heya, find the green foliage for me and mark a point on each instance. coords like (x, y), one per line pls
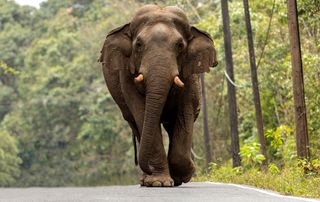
(7, 97)
(6, 69)
(281, 145)
(290, 180)
(68, 128)
(285, 173)
(274, 73)
(250, 155)
(9, 160)
(277, 137)
(311, 168)
(273, 169)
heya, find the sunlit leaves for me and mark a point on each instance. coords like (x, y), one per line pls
(250, 155)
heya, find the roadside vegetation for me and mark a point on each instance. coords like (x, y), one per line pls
(287, 174)
(296, 180)
(300, 178)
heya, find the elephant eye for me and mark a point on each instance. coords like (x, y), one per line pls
(180, 45)
(139, 45)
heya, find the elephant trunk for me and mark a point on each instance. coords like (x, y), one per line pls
(157, 89)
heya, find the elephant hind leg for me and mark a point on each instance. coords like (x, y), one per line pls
(127, 115)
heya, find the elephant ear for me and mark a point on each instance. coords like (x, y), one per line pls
(200, 55)
(116, 50)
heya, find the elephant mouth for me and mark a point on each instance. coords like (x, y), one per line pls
(176, 80)
(141, 88)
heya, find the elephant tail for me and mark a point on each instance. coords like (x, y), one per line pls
(134, 141)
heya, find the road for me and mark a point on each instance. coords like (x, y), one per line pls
(193, 192)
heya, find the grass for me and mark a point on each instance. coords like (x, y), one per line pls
(296, 181)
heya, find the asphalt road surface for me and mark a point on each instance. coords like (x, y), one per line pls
(196, 191)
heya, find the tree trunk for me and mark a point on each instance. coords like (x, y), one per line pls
(302, 140)
(255, 85)
(231, 89)
(205, 123)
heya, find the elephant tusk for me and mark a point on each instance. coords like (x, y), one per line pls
(178, 82)
(138, 79)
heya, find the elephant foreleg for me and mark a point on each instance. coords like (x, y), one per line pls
(160, 170)
(181, 165)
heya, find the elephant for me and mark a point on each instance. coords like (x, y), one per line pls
(152, 67)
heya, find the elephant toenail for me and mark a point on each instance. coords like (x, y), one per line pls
(156, 184)
(168, 184)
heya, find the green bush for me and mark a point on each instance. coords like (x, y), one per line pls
(273, 169)
(281, 143)
(310, 167)
(250, 155)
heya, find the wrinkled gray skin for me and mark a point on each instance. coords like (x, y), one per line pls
(160, 44)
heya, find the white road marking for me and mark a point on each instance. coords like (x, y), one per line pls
(266, 192)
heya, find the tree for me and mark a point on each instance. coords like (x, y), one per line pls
(302, 139)
(255, 84)
(205, 122)
(233, 116)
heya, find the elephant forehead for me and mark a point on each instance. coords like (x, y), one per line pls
(152, 8)
(159, 32)
(154, 17)
(155, 11)
(154, 14)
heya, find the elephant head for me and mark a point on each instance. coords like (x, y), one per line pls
(160, 49)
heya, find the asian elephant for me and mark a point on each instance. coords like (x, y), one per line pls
(151, 66)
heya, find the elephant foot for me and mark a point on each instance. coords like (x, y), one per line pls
(182, 172)
(142, 178)
(179, 179)
(156, 180)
